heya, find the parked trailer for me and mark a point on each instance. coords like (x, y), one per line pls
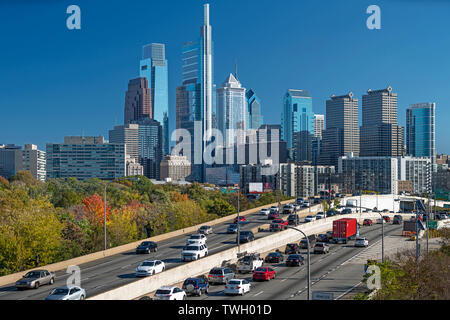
(345, 229)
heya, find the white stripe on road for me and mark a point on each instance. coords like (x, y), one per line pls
(258, 293)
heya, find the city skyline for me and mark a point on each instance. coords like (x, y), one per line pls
(271, 100)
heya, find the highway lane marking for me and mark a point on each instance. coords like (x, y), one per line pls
(258, 293)
(283, 280)
(348, 290)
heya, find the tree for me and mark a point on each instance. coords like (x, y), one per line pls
(94, 208)
(122, 226)
(25, 177)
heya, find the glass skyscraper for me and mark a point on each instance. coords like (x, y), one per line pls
(153, 67)
(420, 130)
(254, 116)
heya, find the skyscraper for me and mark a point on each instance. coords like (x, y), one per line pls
(138, 104)
(153, 67)
(420, 131)
(380, 133)
(231, 110)
(150, 146)
(254, 116)
(297, 115)
(342, 133)
(126, 134)
(195, 99)
(319, 125)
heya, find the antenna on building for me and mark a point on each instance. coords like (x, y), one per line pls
(235, 69)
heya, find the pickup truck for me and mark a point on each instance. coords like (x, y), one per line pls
(249, 263)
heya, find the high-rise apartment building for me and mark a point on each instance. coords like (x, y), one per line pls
(154, 67)
(127, 134)
(231, 111)
(150, 147)
(420, 131)
(319, 125)
(14, 159)
(342, 133)
(138, 103)
(254, 116)
(86, 158)
(380, 133)
(418, 170)
(34, 160)
(297, 115)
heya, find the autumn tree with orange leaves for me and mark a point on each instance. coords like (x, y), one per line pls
(94, 208)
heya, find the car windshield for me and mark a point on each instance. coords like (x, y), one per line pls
(295, 256)
(319, 244)
(216, 271)
(148, 264)
(360, 239)
(273, 254)
(161, 291)
(32, 274)
(309, 216)
(191, 248)
(204, 227)
(60, 291)
(234, 282)
(261, 269)
(291, 245)
(245, 233)
(196, 237)
(146, 243)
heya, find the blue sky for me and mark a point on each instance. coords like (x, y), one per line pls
(56, 82)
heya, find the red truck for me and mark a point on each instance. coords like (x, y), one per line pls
(344, 229)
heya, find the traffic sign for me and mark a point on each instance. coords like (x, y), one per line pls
(320, 295)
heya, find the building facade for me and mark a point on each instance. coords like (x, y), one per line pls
(14, 159)
(150, 147)
(319, 125)
(254, 114)
(127, 134)
(175, 168)
(420, 131)
(418, 170)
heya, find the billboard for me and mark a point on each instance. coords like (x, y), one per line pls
(255, 187)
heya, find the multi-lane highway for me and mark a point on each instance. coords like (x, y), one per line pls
(329, 272)
(114, 271)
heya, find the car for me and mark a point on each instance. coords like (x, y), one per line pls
(205, 230)
(361, 242)
(149, 268)
(245, 236)
(292, 248)
(367, 222)
(346, 211)
(387, 218)
(293, 219)
(310, 218)
(197, 239)
(305, 204)
(299, 200)
(397, 219)
(381, 221)
(366, 210)
(196, 286)
(294, 260)
(274, 208)
(385, 211)
(264, 211)
(274, 257)
(297, 207)
(331, 213)
(169, 293)
(34, 279)
(194, 252)
(67, 293)
(278, 225)
(273, 215)
(263, 273)
(237, 286)
(288, 209)
(147, 247)
(322, 237)
(320, 215)
(239, 220)
(220, 275)
(304, 243)
(232, 228)
(321, 247)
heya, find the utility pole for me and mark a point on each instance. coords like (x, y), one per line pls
(104, 217)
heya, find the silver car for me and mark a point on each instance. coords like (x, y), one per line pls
(36, 278)
(67, 293)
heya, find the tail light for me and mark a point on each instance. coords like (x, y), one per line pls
(169, 295)
(239, 287)
(210, 276)
(221, 276)
(196, 287)
(226, 287)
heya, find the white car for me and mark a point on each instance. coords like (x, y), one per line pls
(67, 293)
(197, 239)
(305, 204)
(194, 252)
(237, 286)
(310, 218)
(320, 215)
(361, 242)
(381, 221)
(264, 211)
(169, 293)
(274, 208)
(150, 267)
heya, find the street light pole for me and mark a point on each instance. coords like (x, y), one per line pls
(104, 217)
(238, 224)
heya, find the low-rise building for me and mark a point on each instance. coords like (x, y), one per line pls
(175, 167)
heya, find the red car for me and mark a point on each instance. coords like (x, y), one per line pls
(263, 273)
(367, 222)
(278, 224)
(241, 219)
(387, 219)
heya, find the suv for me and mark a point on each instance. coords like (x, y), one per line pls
(397, 219)
(361, 242)
(197, 239)
(194, 252)
(304, 243)
(331, 213)
(292, 248)
(195, 286)
(274, 257)
(321, 247)
(293, 219)
(245, 236)
(220, 275)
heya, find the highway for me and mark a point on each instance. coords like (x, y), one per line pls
(329, 272)
(114, 271)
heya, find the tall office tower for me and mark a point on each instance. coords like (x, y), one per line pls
(150, 146)
(297, 115)
(138, 104)
(420, 131)
(126, 134)
(303, 143)
(319, 125)
(342, 133)
(231, 111)
(86, 158)
(153, 67)
(380, 133)
(195, 99)
(254, 116)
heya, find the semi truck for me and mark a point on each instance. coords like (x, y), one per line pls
(345, 229)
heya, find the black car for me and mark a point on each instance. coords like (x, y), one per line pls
(294, 260)
(293, 219)
(331, 213)
(292, 248)
(147, 247)
(195, 286)
(232, 228)
(322, 237)
(245, 236)
(346, 211)
(274, 257)
(397, 219)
